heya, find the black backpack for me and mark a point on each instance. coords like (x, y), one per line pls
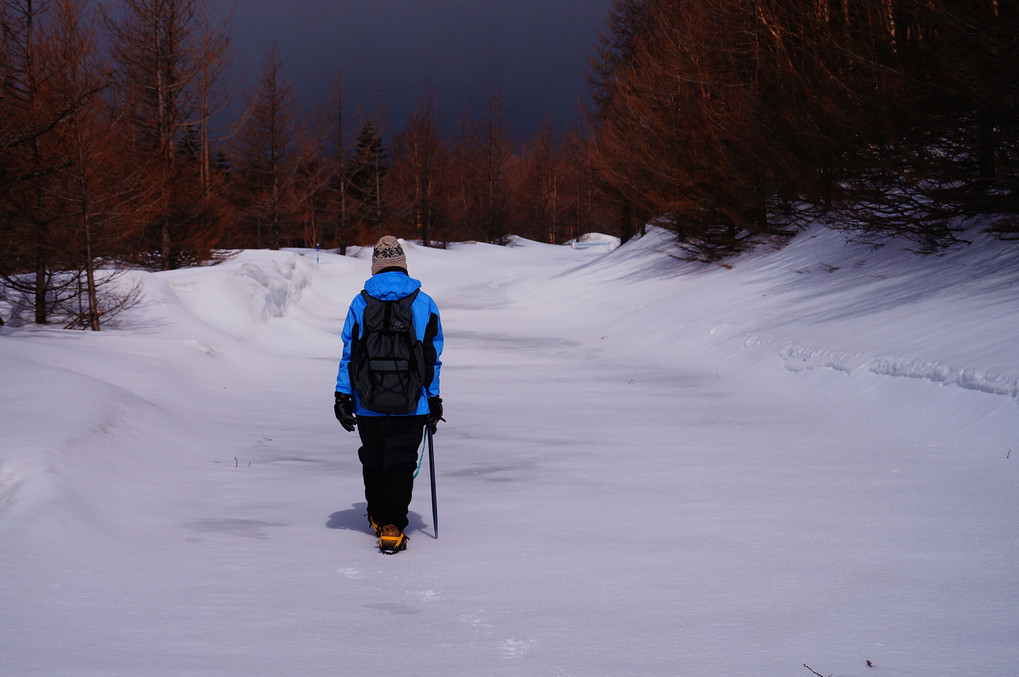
(387, 366)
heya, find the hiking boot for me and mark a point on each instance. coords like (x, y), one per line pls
(391, 539)
(375, 527)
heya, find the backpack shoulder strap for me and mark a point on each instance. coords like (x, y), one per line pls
(409, 298)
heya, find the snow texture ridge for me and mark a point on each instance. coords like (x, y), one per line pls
(992, 384)
(804, 359)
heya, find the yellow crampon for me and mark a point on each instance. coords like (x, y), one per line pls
(375, 527)
(392, 540)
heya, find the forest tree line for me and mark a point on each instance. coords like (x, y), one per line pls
(725, 121)
(110, 158)
(733, 120)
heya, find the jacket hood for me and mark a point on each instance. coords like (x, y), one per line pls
(391, 286)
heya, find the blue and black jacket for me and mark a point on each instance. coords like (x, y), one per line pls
(393, 285)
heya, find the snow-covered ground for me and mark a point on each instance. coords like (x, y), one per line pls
(650, 467)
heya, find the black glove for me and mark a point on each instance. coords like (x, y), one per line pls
(343, 408)
(434, 412)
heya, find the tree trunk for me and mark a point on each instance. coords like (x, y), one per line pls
(40, 285)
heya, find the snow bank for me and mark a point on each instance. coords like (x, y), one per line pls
(254, 286)
(598, 240)
(824, 303)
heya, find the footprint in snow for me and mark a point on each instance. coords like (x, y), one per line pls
(473, 621)
(350, 573)
(512, 648)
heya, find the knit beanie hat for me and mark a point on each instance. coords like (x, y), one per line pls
(388, 254)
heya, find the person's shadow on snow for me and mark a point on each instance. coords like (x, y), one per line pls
(355, 519)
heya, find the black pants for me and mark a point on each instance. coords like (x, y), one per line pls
(388, 453)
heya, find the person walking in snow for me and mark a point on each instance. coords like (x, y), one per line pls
(387, 385)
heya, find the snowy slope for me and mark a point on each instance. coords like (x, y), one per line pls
(650, 467)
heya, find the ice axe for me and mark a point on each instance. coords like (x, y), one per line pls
(431, 473)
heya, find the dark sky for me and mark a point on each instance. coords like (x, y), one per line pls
(534, 51)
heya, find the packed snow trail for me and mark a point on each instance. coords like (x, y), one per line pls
(639, 475)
